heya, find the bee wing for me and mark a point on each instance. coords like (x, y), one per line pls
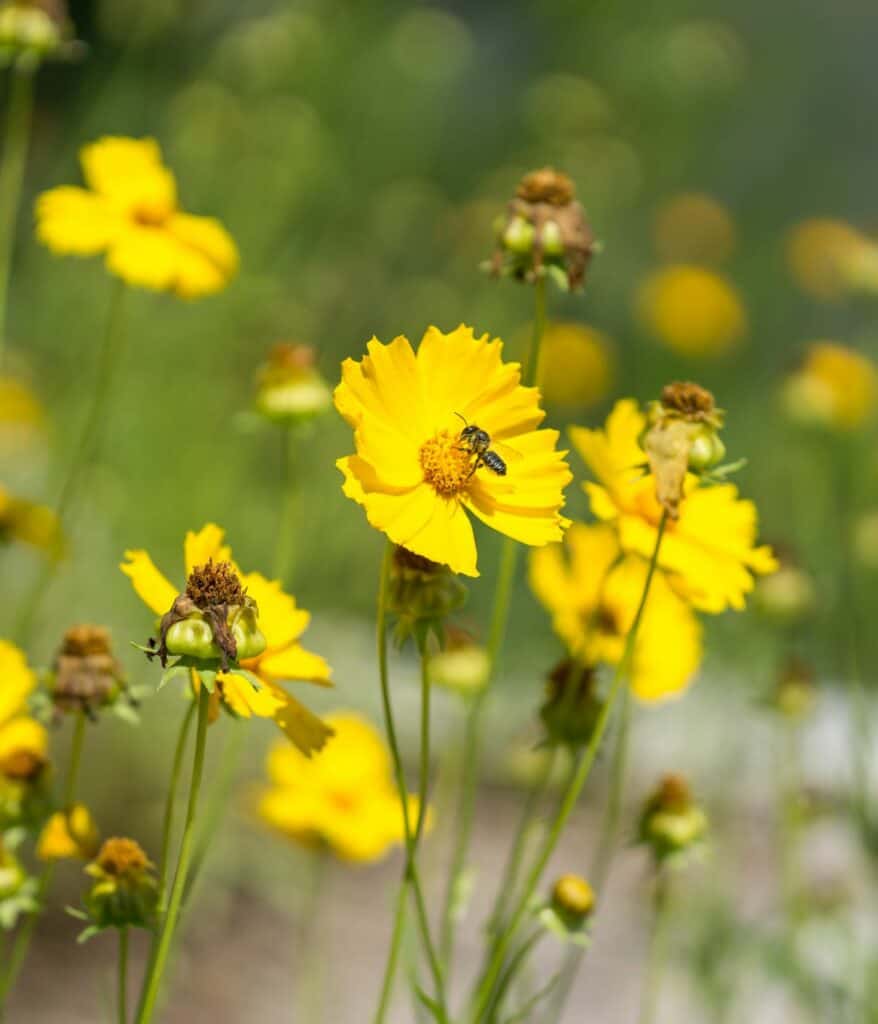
(506, 452)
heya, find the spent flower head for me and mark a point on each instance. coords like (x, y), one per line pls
(421, 595)
(574, 700)
(544, 233)
(123, 893)
(290, 388)
(130, 213)
(672, 825)
(86, 675)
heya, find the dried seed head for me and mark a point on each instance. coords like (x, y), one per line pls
(86, 674)
(673, 793)
(546, 186)
(22, 765)
(690, 400)
(122, 858)
(214, 584)
(83, 640)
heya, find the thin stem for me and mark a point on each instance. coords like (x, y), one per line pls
(572, 792)
(153, 979)
(171, 806)
(515, 962)
(23, 939)
(393, 955)
(83, 456)
(411, 876)
(499, 618)
(19, 117)
(424, 780)
(285, 548)
(123, 976)
(658, 951)
(791, 822)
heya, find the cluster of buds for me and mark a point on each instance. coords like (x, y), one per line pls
(681, 436)
(422, 595)
(672, 824)
(787, 595)
(19, 893)
(124, 893)
(213, 620)
(289, 387)
(796, 693)
(34, 30)
(544, 233)
(570, 908)
(574, 700)
(86, 676)
(462, 666)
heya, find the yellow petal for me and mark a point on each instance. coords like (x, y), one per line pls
(210, 256)
(17, 681)
(131, 174)
(303, 728)
(72, 220)
(23, 734)
(204, 546)
(279, 618)
(294, 663)
(150, 585)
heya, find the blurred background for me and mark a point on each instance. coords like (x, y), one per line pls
(359, 155)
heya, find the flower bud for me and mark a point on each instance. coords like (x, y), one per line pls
(788, 595)
(86, 675)
(12, 874)
(422, 594)
(672, 824)
(31, 30)
(519, 235)
(796, 693)
(706, 451)
(573, 900)
(462, 666)
(289, 387)
(573, 703)
(124, 893)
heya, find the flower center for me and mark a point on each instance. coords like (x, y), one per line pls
(446, 463)
(214, 583)
(150, 215)
(122, 857)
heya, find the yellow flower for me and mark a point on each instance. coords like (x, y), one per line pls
(692, 226)
(692, 310)
(29, 523)
(344, 798)
(823, 255)
(576, 365)
(413, 473)
(130, 213)
(69, 834)
(592, 592)
(709, 552)
(21, 736)
(22, 418)
(835, 387)
(282, 624)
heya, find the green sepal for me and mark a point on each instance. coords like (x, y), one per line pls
(722, 473)
(553, 922)
(208, 679)
(171, 672)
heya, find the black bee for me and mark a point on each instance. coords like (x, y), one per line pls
(478, 442)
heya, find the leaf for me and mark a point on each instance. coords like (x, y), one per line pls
(208, 679)
(88, 933)
(462, 893)
(170, 673)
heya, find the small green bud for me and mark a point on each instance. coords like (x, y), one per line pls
(672, 823)
(519, 235)
(706, 451)
(573, 900)
(193, 636)
(551, 238)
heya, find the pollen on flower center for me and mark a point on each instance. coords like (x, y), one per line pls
(149, 216)
(447, 464)
(122, 857)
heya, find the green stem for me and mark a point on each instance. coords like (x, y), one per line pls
(515, 962)
(658, 951)
(153, 979)
(572, 792)
(19, 117)
(531, 364)
(171, 806)
(424, 780)
(393, 955)
(285, 547)
(23, 939)
(791, 823)
(411, 876)
(123, 975)
(83, 456)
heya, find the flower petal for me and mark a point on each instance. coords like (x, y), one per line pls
(294, 663)
(279, 618)
(72, 220)
(130, 172)
(18, 681)
(209, 256)
(204, 546)
(150, 585)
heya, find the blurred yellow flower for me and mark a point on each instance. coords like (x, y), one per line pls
(21, 415)
(69, 834)
(344, 798)
(25, 521)
(576, 365)
(708, 552)
(592, 592)
(414, 473)
(21, 736)
(282, 624)
(130, 212)
(835, 387)
(692, 310)
(823, 256)
(693, 227)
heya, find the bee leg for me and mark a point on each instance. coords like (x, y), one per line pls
(479, 462)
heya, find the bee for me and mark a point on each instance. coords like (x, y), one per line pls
(478, 442)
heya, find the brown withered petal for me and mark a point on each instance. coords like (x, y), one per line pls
(689, 399)
(546, 185)
(667, 446)
(86, 672)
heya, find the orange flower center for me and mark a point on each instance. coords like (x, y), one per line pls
(447, 463)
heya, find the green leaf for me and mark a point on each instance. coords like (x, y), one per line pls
(88, 933)
(208, 679)
(170, 673)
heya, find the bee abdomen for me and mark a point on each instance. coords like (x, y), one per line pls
(493, 461)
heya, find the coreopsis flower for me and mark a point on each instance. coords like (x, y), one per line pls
(86, 675)
(344, 799)
(672, 824)
(693, 228)
(280, 623)
(692, 310)
(124, 891)
(709, 553)
(33, 30)
(69, 834)
(836, 387)
(290, 388)
(592, 591)
(421, 461)
(823, 255)
(576, 365)
(29, 523)
(130, 213)
(544, 233)
(23, 740)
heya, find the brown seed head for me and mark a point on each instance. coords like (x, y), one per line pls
(86, 672)
(122, 858)
(546, 186)
(690, 400)
(673, 794)
(213, 584)
(83, 640)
